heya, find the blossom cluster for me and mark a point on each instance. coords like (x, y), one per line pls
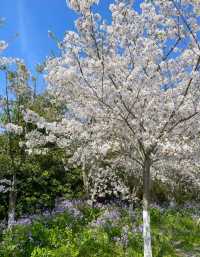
(12, 128)
(3, 45)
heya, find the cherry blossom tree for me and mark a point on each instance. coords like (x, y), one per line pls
(132, 90)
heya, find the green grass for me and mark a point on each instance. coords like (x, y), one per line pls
(174, 234)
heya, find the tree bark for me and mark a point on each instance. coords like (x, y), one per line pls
(85, 183)
(146, 215)
(12, 203)
(131, 212)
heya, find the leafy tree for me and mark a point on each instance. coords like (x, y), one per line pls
(17, 94)
(29, 183)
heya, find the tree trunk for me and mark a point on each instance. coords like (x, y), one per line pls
(131, 212)
(146, 215)
(12, 203)
(12, 193)
(85, 183)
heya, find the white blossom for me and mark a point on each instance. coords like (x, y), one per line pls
(13, 128)
(3, 45)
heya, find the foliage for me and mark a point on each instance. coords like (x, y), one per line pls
(65, 235)
(41, 178)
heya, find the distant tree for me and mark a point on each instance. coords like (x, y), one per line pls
(17, 94)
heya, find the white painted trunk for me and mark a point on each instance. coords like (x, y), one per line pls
(12, 203)
(11, 210)
(11, 218)
(147, 234)
(146, 202)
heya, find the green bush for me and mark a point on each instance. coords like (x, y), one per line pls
(174, 233)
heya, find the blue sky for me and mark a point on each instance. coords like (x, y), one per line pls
(31, 20)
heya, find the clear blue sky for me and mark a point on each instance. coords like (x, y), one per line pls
(32, 19)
